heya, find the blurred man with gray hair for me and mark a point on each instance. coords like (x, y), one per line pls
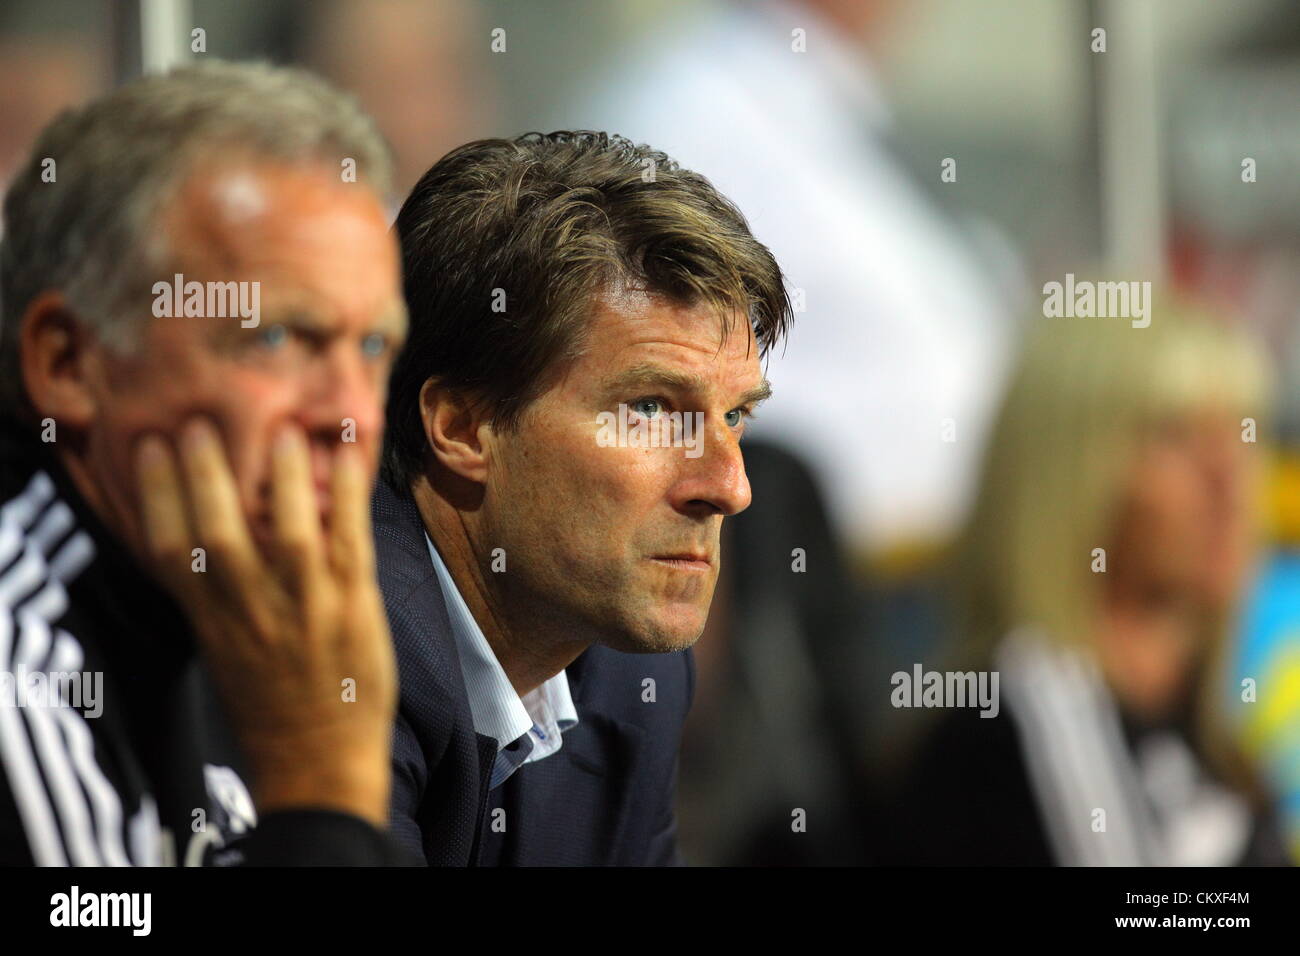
(201, 302)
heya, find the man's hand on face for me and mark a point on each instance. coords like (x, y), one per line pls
(282, 632)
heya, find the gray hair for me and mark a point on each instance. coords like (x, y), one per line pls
(90, 233)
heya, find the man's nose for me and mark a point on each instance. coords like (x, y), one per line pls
(343, 400)
(714, 481)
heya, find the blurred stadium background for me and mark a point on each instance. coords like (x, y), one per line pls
(1065, 163)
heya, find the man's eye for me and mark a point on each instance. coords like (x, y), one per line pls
(273, 336)
(735, 417)
(374, 345)
(647, 407)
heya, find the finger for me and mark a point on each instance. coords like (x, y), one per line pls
(351, 548)
(214, 501)
(296, 515)
(168, 536)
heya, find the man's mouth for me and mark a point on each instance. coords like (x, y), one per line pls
(685, 561)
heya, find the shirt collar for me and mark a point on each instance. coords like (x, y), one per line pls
(540, 717)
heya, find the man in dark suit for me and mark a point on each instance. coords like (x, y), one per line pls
(587, 321)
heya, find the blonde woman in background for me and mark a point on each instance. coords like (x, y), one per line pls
(1109, 542)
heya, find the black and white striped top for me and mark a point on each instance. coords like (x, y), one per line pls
(113, 747)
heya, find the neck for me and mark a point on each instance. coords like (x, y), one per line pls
(1148, 649)
(529, 647)
(117, 516)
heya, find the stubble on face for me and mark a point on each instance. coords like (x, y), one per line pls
(620, 545)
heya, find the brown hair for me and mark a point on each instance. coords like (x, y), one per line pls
(506, 243)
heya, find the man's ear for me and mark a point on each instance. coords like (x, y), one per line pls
(55, 350)
(453, 431)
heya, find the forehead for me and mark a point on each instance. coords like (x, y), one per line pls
(268, 215)
(314, 245)
(630, 327)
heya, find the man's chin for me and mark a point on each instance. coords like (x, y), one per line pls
(664, 637)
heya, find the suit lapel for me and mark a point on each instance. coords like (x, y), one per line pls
(602, 743)
(487, 753)
(432, 682)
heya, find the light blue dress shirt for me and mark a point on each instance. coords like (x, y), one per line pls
(525, 728)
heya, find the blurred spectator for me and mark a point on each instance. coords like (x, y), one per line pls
(51, 58)
(409, 62)
(1098, 577)
(903, 327)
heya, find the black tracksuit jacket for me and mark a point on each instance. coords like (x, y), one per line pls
(113, 748)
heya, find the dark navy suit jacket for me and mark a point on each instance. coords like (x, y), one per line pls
(605, 798)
